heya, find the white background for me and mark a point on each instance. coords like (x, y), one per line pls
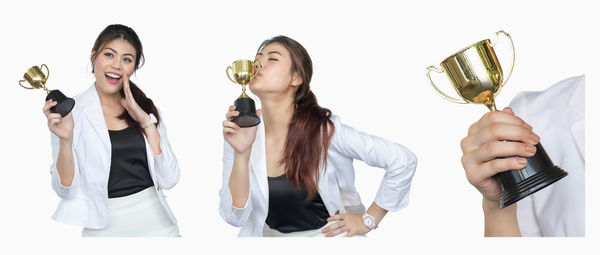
(369, 68)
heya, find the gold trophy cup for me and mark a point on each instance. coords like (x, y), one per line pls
(37, 80)
(476, 75)
(244, 72)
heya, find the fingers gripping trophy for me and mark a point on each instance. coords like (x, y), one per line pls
(476, 75)
(37, 79)
(244, 72)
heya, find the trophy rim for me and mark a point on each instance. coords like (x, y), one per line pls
(484, 41)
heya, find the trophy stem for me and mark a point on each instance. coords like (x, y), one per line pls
(490, 103)
(244, 95)
(492, 107)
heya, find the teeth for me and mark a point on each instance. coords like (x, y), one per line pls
(112, 75)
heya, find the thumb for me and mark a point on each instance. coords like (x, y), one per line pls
(508, 110)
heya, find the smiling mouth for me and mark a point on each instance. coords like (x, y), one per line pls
(112, 78)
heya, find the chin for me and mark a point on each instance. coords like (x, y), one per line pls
(109, 88)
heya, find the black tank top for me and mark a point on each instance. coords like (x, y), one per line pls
(288, 210)
(129, 172)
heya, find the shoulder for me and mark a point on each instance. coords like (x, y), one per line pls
(85, 99)
(342, 133)
(558, 95)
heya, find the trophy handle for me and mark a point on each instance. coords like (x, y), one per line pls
(513, 53)
(227, 71)
(24, 86)
(449, 98)
(47, 70)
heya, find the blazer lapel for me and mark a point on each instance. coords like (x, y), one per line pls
(92, 110)
(577, 104)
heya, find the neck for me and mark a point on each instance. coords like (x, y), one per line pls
(109, 100)
(277, 115)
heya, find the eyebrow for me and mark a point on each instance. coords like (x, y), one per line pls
(270, 52)
(108, 48)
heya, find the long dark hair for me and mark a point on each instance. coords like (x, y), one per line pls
(310, 129)
(118, 31)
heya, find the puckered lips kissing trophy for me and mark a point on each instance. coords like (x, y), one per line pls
(476, 75)
(37, 79)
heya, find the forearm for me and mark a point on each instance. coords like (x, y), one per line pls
(500, 222)
(239, 181)
(377, 212)
(65, 165)
(153, 138)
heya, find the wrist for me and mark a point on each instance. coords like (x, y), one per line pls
(245, 156)
(492, 209)
(65, 141)
(369, 221)
(149, 121)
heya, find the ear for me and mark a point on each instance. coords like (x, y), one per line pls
(296, 80)
(92, 59)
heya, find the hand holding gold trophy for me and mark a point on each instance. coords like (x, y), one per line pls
(244, 72)
(477, 77)
(37, 79)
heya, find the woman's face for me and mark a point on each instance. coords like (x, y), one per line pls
(111, 64)
(275, 76)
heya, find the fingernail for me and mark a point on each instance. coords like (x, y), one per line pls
(522, 161)
(535, 137)
(530, 149)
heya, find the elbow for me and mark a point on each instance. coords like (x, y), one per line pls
(412, 161)
(231, 220)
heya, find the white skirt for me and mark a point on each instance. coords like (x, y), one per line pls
(269, 232)
(136, 215)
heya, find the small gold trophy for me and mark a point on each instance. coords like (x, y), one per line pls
(37, 79)
(243, 73)
(477, 77)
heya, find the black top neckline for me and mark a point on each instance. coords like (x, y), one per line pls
(276, 177)
(120, 130)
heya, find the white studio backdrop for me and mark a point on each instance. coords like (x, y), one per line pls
(369, 62)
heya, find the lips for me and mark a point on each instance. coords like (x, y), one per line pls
(112, 78)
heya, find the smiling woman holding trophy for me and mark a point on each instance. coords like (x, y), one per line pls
(112, 158)
(292, 174)
(524, 192)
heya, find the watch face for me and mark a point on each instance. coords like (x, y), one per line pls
(369, 221)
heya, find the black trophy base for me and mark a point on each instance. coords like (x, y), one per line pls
(539, 173)
(247, 116)
(64, 105)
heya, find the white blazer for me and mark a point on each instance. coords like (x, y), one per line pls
(84, 203)
(557, 115)
(336, 182)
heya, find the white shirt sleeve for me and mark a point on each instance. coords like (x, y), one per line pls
(398, 161)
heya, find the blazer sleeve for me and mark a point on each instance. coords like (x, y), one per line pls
(165, 164)
(62, 191)
(398, 161)
(231, 214)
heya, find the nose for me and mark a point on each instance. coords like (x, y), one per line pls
(116, 64)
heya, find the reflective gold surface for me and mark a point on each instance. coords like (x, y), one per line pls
(244, 72)
(36, 78)
(475, 73)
